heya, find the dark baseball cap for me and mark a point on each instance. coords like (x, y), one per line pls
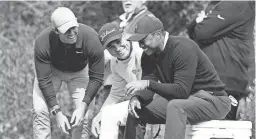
(109, 32)
(145, 25)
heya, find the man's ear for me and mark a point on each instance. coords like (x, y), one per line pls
(158, 34)
(55, 30)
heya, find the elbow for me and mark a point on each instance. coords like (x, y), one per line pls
(184, 95)
(184, 92)
(202, 35)
(98, 79)
(97, 76)
(43, 82)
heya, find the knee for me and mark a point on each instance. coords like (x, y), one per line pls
(174, 105)
(39, 110)
(41, 119)
(109, 112)
(106, 110)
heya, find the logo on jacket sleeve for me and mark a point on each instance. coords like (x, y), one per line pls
(222, 18)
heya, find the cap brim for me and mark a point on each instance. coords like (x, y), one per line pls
(137, 37)
(63, 28)
(118, 36)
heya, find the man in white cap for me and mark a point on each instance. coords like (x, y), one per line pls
(66, 52)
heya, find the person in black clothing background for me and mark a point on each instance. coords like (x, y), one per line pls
(189, 90)
(224, 31)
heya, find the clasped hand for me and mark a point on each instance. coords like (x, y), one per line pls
(135, 86)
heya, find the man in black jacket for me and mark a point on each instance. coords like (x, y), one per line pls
(224, 31)
(189, 90)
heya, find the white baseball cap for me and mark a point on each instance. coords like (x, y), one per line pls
(63, 19)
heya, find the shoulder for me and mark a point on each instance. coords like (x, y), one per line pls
(182, 46)
(90, 38)
(44, 35)
(42, 40)
(87, 30)
(179, 42)
(231, 5)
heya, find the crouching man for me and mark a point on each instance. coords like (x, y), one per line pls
(66, 52)
(125, 68)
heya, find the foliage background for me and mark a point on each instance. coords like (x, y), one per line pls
(22, 21)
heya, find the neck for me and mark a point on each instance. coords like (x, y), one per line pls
(161, 45)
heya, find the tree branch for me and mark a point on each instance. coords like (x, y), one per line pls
(32, 7)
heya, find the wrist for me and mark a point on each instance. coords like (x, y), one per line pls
(135, 97)
(55, 110)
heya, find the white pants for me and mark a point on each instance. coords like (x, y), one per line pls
(113, 116)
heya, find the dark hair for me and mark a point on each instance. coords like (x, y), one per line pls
(162, 31)
(112, 42)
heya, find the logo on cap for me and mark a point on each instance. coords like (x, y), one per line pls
(104, 34)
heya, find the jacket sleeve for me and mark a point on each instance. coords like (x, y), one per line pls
(220, 21)
(148, 73)
(44, 72)
(96, 67)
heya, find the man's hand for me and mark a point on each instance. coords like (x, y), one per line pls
(78, 115)
(135, 86)
(133, 105)
(62, 122)
(96, 125)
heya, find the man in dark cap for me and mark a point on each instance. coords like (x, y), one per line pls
(190, 91)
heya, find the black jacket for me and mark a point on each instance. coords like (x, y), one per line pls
(226, 36)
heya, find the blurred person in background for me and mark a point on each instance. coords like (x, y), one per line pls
(224, 31)
(68, 52)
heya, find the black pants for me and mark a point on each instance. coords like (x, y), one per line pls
(176, 113)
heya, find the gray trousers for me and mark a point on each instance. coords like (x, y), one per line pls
(76, 84)
(176, 113)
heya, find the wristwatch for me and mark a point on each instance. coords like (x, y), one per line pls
(55, 110)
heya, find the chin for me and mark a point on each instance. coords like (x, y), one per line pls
(123, 57)
(128, 10)
(72, 41)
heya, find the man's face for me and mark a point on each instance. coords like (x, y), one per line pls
(129, 6)
(119, 48)
(150, 44)
(70, 36)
